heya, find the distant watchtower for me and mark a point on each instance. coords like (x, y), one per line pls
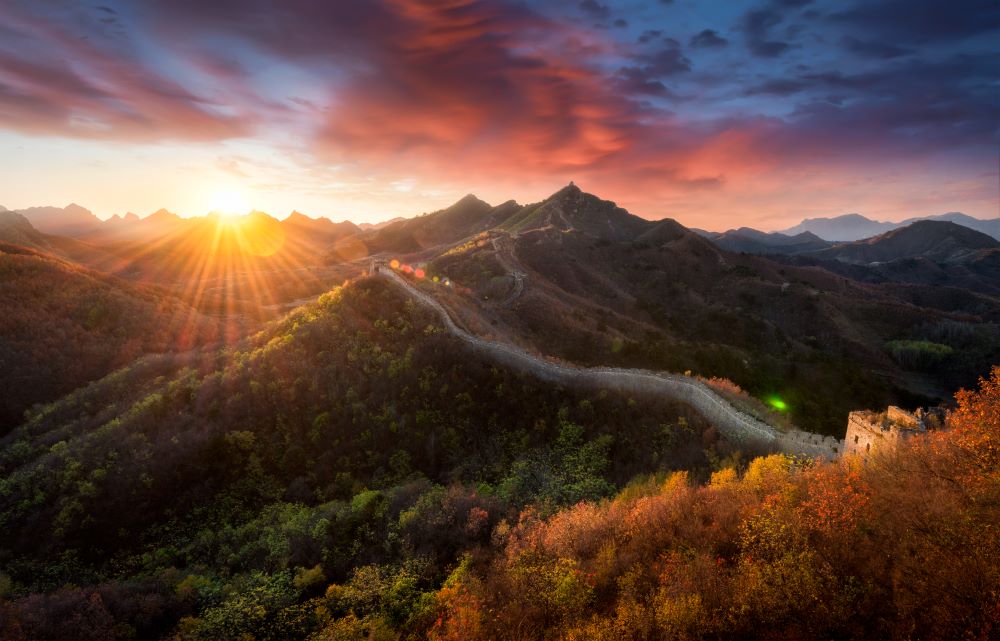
(375, 264)
(868, 432)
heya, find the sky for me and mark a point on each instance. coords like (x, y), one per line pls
(718, 114)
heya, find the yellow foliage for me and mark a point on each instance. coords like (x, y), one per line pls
(725, 477)
(767, 473)
(681, 616)
(675, 483)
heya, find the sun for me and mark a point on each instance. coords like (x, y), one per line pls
(229, 203)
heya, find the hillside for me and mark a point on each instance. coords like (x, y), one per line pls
(64, 325)
(251, 267)
(465, 218)
(181, 484)
(571, 209)
(937, 241)
(752, 241)
(16, 229)
(904, 547)
(929, 253)
(671, 300)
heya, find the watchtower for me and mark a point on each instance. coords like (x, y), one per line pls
(868, 432)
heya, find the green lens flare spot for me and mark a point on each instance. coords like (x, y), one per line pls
(777, 403)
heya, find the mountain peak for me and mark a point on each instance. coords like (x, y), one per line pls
(73, 208)
(469, 199)
(568, 191)
(162, 214)
(572, 209)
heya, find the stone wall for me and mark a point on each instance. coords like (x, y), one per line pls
(733, 423)
(868, 432)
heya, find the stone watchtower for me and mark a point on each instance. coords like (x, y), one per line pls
(868, 432)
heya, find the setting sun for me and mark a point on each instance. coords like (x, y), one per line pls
(229, 203)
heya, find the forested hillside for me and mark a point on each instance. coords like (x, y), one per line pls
(353, 443)
(63, 326)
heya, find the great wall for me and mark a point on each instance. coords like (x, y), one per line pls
(731, 421)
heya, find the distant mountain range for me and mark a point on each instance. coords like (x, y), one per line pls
(926, 252)
(856, 227)
(79, 222)
(752, 241)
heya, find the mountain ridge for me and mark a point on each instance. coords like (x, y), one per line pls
(851, 227)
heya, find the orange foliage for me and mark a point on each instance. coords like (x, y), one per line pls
(907, 546)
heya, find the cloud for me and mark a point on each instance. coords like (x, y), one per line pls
(595, 9)
(56, 81)
(649, 35)
(456, 91)
(917, 22)
(871, 49)
(708, 38)
(757, 26)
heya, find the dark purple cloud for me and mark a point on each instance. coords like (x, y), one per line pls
(708, 38)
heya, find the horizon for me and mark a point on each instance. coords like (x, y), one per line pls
(389, 218)
(724, 115)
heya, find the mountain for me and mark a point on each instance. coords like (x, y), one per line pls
(369, 226)
(570, 209)
(938, 241)
(847, 227)
(116, 220)
(581, 279)
(851, 227)
(467, 217)
(63, 325)
(72, 220)
(15, 229)
(752, 241)
(319, 230)
(989, 227)
(926, 252)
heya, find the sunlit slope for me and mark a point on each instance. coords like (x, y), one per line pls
(361, 389)
(252, 266)
(63, 325)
